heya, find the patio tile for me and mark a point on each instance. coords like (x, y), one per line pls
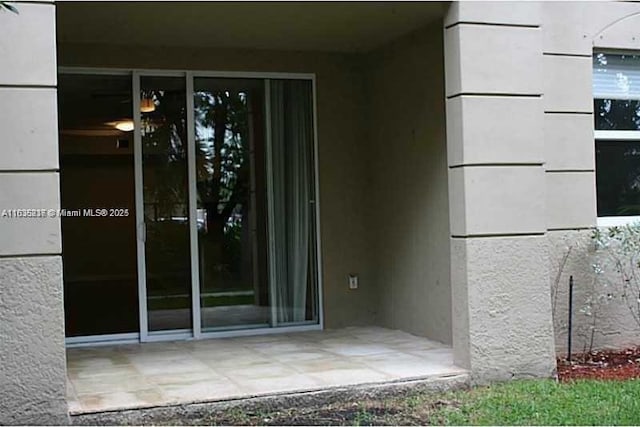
(358, 349)
(408, 370)
(129, 376)
(246, 359)
(76, 373)
(337, 377)
(279, 384)
(276, 348)
(110, 384)
(185, 377)
(178, 366)
(200, 391)
(325, 364)
(305, 355)
(156, 356)
(226, 351)
(265, 370)
(88, 362)
(121, 400)
(418, 346)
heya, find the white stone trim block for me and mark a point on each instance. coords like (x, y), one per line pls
(29, 125)
(497, 200)
(28, 45)
(487, 59)
(495, 129)
(571, 200)
(20, 235)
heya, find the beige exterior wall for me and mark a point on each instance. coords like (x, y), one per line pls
(32, 356)
(609, 323)
(571, 31)
(407, 190)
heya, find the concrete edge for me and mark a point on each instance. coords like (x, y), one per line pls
(154, 415)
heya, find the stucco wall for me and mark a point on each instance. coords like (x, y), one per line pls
(342, 151)
(501, 324)
(599, 321)
(407, 193)
(32, 356)
(571, 31)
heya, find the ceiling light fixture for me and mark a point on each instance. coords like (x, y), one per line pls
(125, 125)
(147, 105)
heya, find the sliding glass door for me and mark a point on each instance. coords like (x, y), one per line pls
(163, 137)
(231, 191)
(222, 197)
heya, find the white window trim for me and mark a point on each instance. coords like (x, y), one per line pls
(617, 135)
(617, 221)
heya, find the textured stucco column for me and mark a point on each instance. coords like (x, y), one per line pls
(502, 325)
(32, 353)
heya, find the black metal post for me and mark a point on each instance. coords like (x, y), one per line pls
(570, 317)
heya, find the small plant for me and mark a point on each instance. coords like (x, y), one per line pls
(6, 6)
(363, 418)
(592, 294)
(618, 264)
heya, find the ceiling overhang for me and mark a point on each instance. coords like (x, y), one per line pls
(330, 27)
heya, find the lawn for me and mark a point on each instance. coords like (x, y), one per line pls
(585, 402)
(525, 402)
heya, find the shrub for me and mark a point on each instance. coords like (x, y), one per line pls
(618, 265)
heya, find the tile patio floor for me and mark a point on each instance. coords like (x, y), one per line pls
(156, 374)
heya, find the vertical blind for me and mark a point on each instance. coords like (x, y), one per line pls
(616, 76)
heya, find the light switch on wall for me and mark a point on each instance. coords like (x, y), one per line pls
(353, 281)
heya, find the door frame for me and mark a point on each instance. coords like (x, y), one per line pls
(143, 335)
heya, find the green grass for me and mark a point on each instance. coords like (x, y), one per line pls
(543, 402)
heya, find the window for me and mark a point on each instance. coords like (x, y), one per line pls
(616, 106)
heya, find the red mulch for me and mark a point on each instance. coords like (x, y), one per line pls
(601, 365)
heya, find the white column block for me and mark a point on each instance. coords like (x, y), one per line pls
(568, 84)
(29, 124)
(571, 200)
(489, 59)
(23, 236)
(497, 200)
(28, 45)
(497, 129)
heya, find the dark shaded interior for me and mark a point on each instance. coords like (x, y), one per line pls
(96, 172)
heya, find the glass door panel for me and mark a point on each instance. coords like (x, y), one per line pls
(231, 203)
(166, 202)
(96, 171)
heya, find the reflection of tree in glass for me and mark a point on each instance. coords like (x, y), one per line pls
(618, 178)
(222, 167)
(629, 194)
(617, 114)
(163, 136)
